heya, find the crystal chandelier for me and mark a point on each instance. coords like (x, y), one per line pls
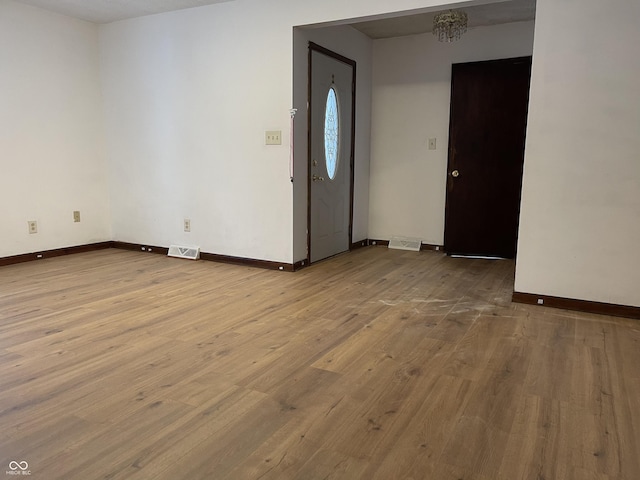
(449, 26)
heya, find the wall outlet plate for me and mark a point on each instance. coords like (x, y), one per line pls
(33, 226)
(76, 216)
(187, 225)
(273, 137)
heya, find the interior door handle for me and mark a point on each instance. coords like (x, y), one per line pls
(455, 174)
(316, 178)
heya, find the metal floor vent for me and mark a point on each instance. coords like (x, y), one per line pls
(405, 243)
(190, 253)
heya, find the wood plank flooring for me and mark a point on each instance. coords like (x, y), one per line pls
(377, 364)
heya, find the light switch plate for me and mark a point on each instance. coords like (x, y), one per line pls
(432, 144)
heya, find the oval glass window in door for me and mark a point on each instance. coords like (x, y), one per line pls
(331, 133)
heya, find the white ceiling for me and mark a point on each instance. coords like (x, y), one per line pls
(480, 15)
(105, 11)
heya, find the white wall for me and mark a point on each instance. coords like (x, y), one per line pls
(580, 216)
(188, 97)
(51, 132)
(187, 104)
(411, 97)
(352, 44)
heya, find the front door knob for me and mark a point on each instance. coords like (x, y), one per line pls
(455, 174)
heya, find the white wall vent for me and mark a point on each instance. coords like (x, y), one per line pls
(405, 243)
(190, 253)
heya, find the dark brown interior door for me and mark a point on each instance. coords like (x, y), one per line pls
(487, 129)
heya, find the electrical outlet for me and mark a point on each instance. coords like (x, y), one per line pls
(187, 225)
(432, 144)
(76, 216)
(33, 226)
(273, 137)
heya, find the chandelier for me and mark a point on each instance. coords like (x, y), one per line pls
(449, 26)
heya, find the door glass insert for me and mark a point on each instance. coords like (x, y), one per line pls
(331, 133)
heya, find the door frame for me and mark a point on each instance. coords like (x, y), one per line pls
(508, 60)
(314, 47)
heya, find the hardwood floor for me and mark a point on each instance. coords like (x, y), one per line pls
(378, 364)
